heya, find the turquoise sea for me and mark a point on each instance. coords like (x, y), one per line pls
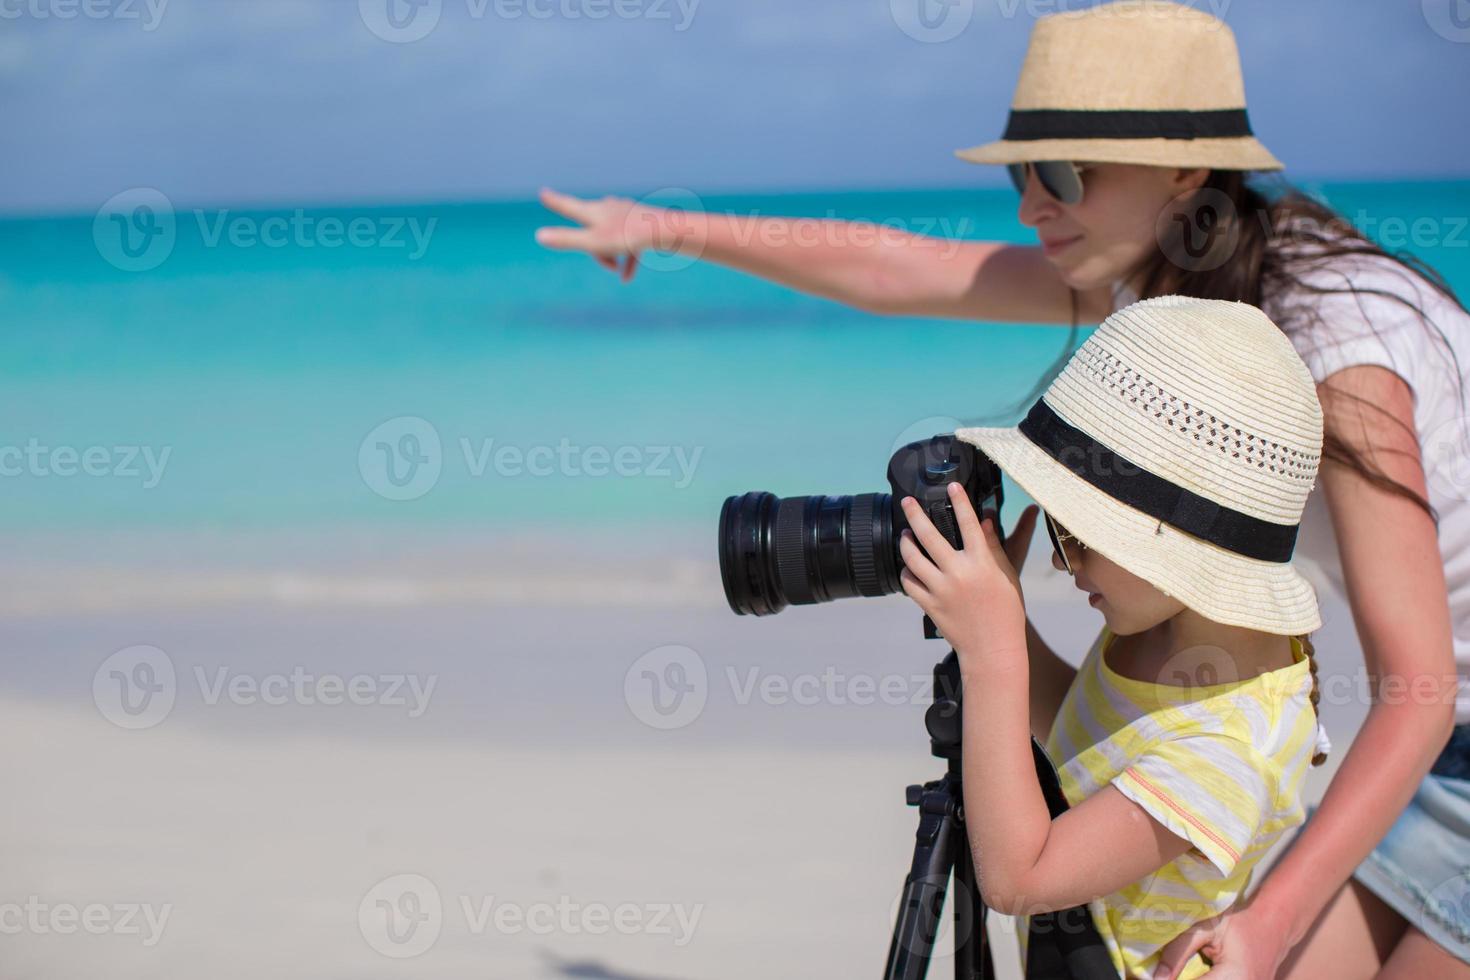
(266, 370)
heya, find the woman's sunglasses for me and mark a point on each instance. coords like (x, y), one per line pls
(1058, 535)
(1062, 179)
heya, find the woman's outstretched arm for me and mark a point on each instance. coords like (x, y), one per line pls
(869, 266)
(1395, 581)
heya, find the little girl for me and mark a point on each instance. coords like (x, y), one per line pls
(1172, 458)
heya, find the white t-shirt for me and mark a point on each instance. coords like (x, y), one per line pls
(1350, 329)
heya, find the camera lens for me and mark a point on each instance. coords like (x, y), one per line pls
(777, 551)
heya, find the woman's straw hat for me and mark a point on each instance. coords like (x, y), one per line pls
(1138, 81)
(1180, 442)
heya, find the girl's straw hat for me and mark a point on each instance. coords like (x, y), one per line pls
(1138, 81)
(1181, 441)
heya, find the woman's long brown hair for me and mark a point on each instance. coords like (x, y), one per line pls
(1266, 238)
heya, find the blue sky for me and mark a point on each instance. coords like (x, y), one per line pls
(300, 101)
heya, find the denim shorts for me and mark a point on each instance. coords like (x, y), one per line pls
(1422, 867)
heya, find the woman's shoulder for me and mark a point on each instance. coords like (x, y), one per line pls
(1342, 309)
(1354, 287)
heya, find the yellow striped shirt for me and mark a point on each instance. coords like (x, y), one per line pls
(1220, 764)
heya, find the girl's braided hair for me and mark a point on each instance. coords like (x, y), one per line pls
(1317, 757)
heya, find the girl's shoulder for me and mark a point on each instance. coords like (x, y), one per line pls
(1201, 694)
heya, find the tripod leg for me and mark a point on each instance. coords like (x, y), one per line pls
(972, 946)
(939, 844)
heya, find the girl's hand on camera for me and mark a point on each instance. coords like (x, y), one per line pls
(972, 595)
(613, 230)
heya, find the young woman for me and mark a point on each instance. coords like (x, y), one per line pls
(1173, 457)
(1130, 143)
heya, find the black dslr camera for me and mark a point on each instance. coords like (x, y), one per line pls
(778, 551)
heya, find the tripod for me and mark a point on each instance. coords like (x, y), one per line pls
(1062, 945)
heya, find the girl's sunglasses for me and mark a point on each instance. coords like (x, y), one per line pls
(1062, 179)
(1058, 534)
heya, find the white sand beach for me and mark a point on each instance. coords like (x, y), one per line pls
(509, 809)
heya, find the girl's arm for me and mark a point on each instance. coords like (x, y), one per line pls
(1025, 862)
(869, 266)
(1395, 582)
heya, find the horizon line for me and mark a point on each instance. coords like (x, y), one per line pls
(728, 191)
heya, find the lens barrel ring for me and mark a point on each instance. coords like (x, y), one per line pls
(790, 539)
(864, 557)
